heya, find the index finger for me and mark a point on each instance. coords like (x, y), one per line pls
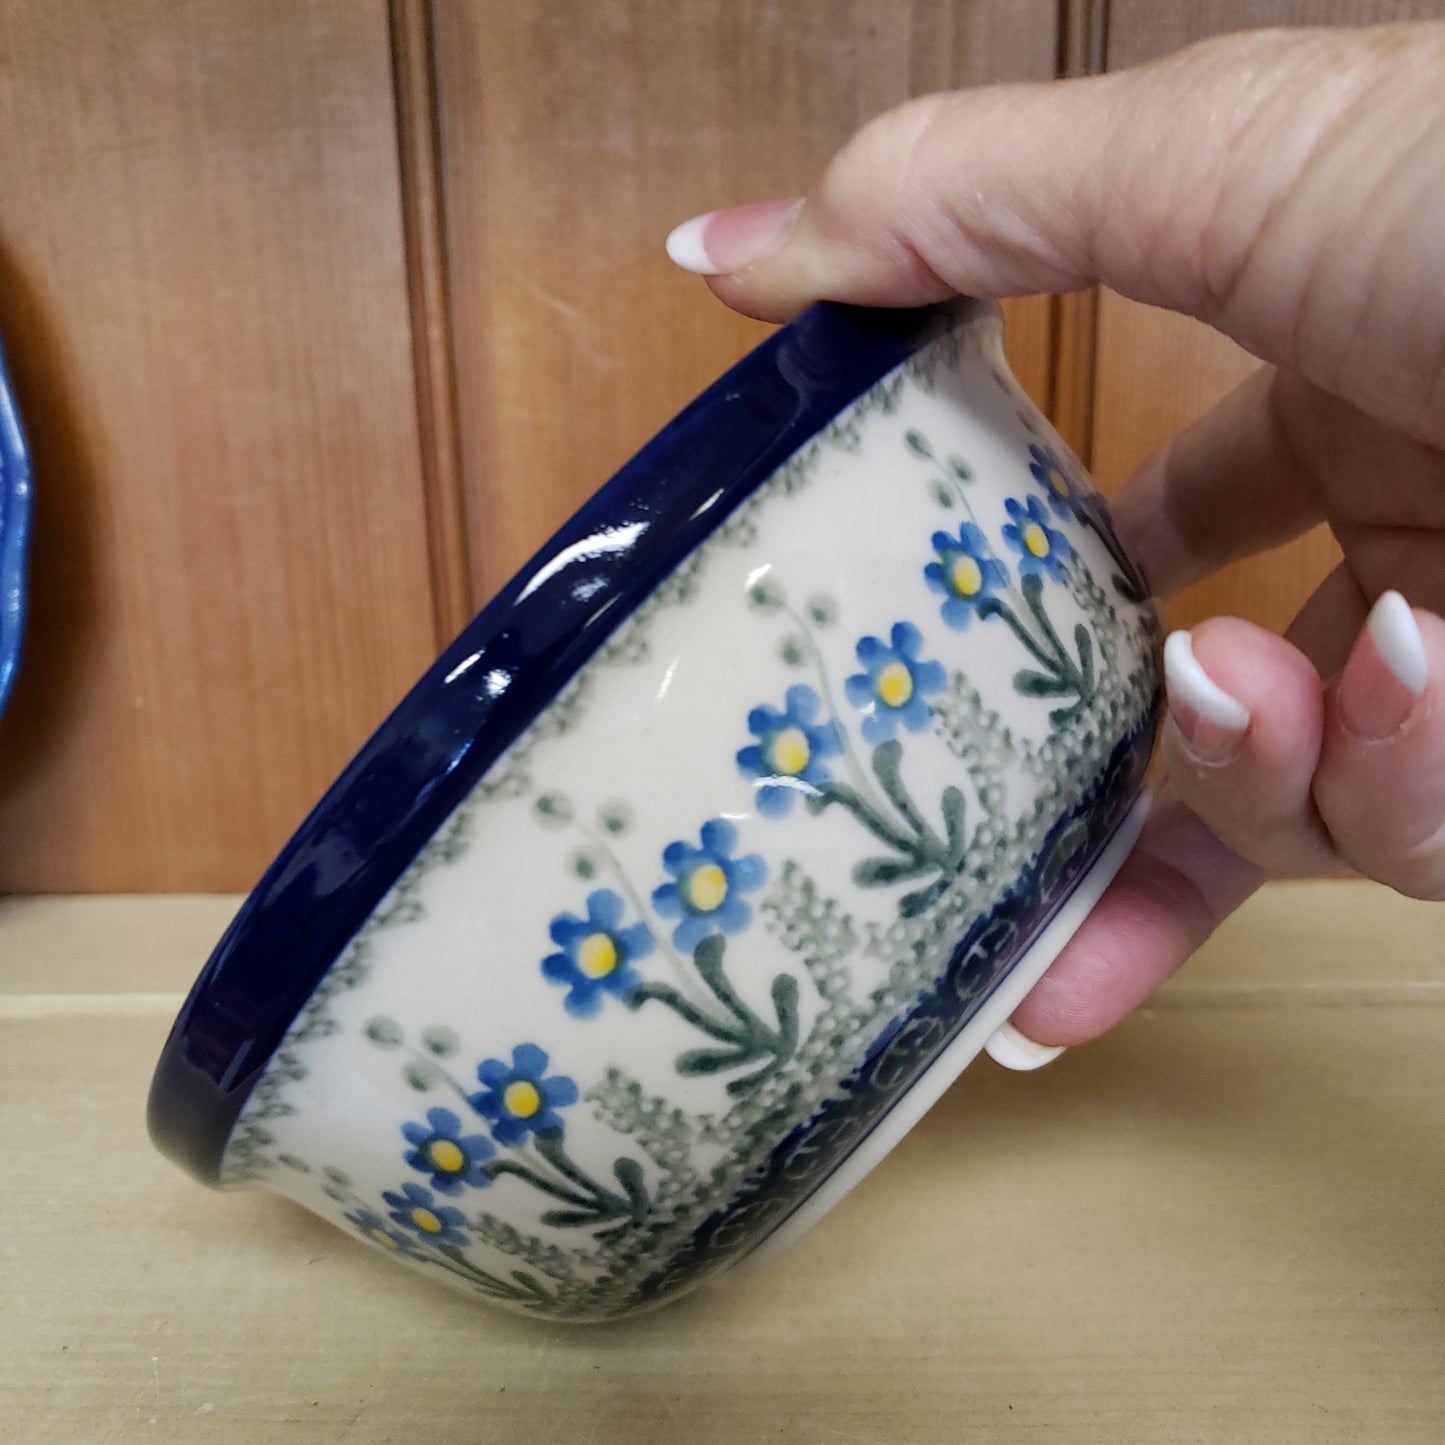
(1235, 182)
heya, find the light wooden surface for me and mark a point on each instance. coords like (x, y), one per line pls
(1220, 1223)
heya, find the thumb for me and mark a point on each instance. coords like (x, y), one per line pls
(1210, 182)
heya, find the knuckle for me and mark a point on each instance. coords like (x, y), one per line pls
(1414, 868)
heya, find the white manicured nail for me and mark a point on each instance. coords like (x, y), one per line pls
(724, 241)
(685, 248)
(1194, 687)
(1019, 1052)
(1396, 635)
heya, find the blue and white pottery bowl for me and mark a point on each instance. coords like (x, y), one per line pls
(712, 850)
(14, 533)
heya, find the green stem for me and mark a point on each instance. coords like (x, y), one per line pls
(994, 608)
(826, 688)
(685, 1009)
(1069, 670)
(524, 1172)
(525, 1291)
(1034, 596)
(869, 817)
(887, 764)
(963, 498)
(552, 1151)
(708, 960)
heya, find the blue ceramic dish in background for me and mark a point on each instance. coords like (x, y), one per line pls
(14, 532)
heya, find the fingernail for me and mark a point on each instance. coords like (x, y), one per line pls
(723, 241)
(1386, 671)
(1018, 1051)
(1212, 723)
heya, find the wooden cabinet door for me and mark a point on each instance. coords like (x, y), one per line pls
(204, 299)
(575, 135)
(323, 315)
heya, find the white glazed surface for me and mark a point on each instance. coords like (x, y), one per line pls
(639, 753)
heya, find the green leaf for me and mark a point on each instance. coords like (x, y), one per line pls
(785, 1005)
(1085, 644)
(707, 958)
(880, 872)
(918, 444)
(629, 1176)
(1035, 684)
(887, 768)
(954, 807)
(960, 469)
(570, 1218)
(1130, 590)
(711, 1061)
(912, 904)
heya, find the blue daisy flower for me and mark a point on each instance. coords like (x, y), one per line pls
(707, 885)
(436, 1223)
(788, 756)
(1040, 548)
(518, 1099)
(597, 954)
(440, 1149)
(965, 572)
(1049, 471)
(895, 683)
(372, 1227)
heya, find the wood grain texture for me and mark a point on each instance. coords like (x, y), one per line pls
(204, 295)
(423, 208)
(575, 135)
(1156, 372)
(1219, 1223)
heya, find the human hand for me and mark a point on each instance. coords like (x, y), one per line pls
(1284, 187)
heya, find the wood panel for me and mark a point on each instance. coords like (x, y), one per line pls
(204, 294)
(575, 135)
(1155, 371)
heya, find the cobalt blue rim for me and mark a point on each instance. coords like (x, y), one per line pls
(14, 532)
(486, 688)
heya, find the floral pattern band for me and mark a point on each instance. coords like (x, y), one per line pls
(718, 1007)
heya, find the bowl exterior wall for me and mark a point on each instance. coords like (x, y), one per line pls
(699, 928)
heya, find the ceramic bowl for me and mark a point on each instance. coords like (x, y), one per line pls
(14, 533)
(711, 851)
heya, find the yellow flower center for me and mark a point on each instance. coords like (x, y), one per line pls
(895, 684)
(384, 1239)
(706, 888)
(426, 1221)
(521, 1099)
(789, 752)
(446, 1157)
(967, 576)
(597, 955)
(1058, 484)
(1036, 540)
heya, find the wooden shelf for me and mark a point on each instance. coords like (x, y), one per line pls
(1222, 1222)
